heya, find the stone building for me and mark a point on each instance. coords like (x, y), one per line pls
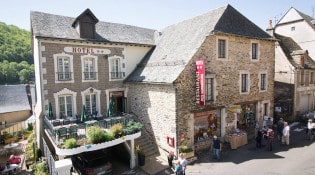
(294, 65)
(207, 76)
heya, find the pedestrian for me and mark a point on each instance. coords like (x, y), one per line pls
(309, 129)
(178, 168)
(279, 129)
(270, 137)
(217, 147)
(183, 162)
(286, 134)
(259, 138)
(256, 128)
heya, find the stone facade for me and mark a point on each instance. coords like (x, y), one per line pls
(168, 110)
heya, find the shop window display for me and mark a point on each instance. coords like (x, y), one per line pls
(246, 117)
(206, 125)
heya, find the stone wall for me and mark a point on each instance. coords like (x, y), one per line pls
(48, 73)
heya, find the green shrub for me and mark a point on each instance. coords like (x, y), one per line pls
(132, 127)
(70, 143)
(109, 136)
(95, 134)
(29, 126)
(185, 149)
(117, 130)
(41, 168)
(38, 154)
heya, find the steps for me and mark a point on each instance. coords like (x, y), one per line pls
(147, 144)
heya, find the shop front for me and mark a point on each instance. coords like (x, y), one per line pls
(206, 125)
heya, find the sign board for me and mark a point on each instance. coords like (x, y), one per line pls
(200, 82)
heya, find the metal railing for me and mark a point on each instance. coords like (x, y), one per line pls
(64, 76)
(117, 75)
(89, 75)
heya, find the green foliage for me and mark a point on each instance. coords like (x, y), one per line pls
(117, 130)
(109, 136)
(38, 154)
(16, 60)
(185, 149)
(132, 127)
(29, 126)
(41, 168)
(95, 134)
(70, 143)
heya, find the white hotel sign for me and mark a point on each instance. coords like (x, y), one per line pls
(86, 50)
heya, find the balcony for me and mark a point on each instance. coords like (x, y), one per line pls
(90, 75)
(117, 75)
(64, 76)
(59, 131)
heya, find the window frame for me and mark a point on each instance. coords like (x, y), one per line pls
(116, 67)
(263, 82)
(254, 56)
(56, 67)
(95, 64)
(247, 82)
(97, 93)
(212, 84)
(218, 47)
(66, 92)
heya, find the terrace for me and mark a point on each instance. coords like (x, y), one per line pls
(61, 130)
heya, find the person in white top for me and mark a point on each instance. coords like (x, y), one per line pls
(183, 162)
(286, 134)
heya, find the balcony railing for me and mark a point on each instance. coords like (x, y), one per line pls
(64, 76)
(117, 75)
(74, 128)
(90, 75)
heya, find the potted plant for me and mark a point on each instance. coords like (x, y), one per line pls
(186, 151)
(141, 156)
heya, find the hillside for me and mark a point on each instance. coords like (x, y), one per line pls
(16, 60)
(15, 44)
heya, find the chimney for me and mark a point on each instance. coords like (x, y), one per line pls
(270, 29)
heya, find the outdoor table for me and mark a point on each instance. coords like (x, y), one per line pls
(90, 122)
(9, 168)
(11, 145)
(236, 139)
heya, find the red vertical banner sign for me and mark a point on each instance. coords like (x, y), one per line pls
(200, 82)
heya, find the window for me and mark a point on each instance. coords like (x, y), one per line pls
(63, 64)
(244, 82)
(263, 82)
(64, 73)
(265, 112)
(221, 48)
(66, 103)
(254, 51)
(89, 70)
(116, 68)
(210, 87)
(312, 78)
(292, 28)
(90, 103)
(65, 106)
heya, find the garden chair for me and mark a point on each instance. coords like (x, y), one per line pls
(73, 131)
(62, 132)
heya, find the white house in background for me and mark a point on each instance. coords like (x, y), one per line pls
(300, 27)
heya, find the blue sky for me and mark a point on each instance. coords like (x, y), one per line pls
(154, 14)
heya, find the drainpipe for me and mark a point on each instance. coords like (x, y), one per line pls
(132, 154)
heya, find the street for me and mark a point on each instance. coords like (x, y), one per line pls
(295, 159)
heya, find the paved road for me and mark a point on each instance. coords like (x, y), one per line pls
(296, 159)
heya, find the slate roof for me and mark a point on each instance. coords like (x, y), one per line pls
(177, 44)
(307, 18)
(289, 46)
(56, 26)
(13, 98)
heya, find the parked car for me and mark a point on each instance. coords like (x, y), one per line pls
(92, 163)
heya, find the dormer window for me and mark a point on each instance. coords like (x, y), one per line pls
(85, 24)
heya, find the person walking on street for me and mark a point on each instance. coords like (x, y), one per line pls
(270, 137)
(178, 168)
(217, 147)
(310, 129)
(183, 162)
(259, 138)
(256, 128)
(279, 129)
(286, 134)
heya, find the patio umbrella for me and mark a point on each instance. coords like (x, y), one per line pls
(110, 110)
(83, 114)
(50, 112)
